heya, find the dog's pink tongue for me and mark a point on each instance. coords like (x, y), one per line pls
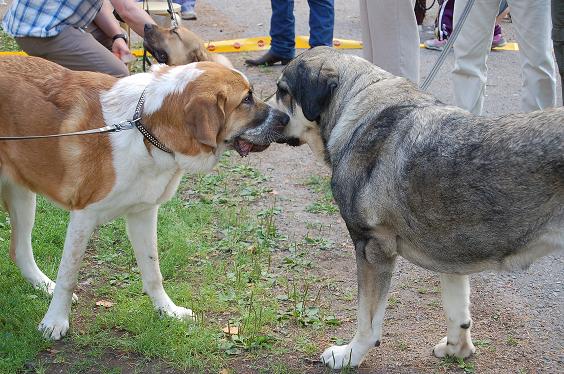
(244, 147)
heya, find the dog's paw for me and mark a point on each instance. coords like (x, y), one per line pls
(178, 312)
(54, 328)
(340, 356)
(462, 349)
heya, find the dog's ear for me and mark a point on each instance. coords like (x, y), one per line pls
(205, 116)
(315, 86)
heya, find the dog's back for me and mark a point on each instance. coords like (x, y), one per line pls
(478, 192)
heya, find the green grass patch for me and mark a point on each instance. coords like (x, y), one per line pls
(7, 43)
(215, 258)
(324, 204)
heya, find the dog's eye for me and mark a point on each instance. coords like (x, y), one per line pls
(281, 91)
(248, 99)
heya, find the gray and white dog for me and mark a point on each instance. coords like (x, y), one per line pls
(450, 191)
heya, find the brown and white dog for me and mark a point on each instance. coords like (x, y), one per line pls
(178, 46)
(197, 111)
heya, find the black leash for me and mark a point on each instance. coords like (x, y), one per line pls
(173, 22)
(124, 125)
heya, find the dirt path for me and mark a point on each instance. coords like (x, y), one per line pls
(517, 317)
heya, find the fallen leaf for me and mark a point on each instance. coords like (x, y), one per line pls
(104, 303)
(224, 371)
(231, 330)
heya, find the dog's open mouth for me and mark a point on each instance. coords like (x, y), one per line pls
(244, 147)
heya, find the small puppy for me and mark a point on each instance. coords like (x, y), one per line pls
(178, 46)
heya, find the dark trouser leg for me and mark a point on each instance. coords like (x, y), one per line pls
(321, 22)
(282, 29)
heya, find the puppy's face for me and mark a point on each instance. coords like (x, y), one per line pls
(215, 110)
(304, 91)
(173, 46)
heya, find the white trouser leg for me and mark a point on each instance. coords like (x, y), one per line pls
(20, 204)
(456, 303)
(390, 36)
(471, 50)
(142, 232)
(533, 29)
(56, 322)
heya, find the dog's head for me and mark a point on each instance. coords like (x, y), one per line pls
(304, 92)
(207, 108)
(174, 46)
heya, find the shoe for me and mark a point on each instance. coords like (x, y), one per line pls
(268, 59)
(188, 15)
(498, 41)
(435, 44)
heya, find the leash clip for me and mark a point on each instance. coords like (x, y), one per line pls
(125, 125)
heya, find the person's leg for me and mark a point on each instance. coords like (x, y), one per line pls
(321, 22)
(446, 13)
(532, 25)
(282, 29)
(394, 36)
(558, 37)
(187, 9)
(76, 50)
(471, 50)
(365, 28)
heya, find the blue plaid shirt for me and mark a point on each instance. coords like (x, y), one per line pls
(45, 18)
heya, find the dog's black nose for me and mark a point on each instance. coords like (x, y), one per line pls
(280, 119)
(148, 27)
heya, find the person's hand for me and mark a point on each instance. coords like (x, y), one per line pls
(120, 50)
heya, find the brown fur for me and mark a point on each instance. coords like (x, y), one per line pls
(212, 114)
(180, 45)
(38, 97)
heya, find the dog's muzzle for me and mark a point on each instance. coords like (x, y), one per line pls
(257, 139)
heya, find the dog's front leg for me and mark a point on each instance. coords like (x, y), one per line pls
(456, 303)
(56, 322)
(142, 232)
(374, 272)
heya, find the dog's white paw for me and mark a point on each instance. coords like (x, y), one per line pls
(463, 349)
(340, 356)
(178, 312)
(54, 328)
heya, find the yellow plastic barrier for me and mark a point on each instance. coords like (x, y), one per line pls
(261, 43)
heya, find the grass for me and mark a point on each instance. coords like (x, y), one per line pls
(215, 257)
(450, 362)
(324, 203)
(7, 43)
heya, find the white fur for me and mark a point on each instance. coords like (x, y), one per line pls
(456, 303)
(144, 180)
(302, 128)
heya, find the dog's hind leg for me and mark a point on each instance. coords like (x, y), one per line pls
(456, 303)
(373, 283)
(142, 232)
(20, 204)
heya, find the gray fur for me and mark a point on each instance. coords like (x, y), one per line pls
(461, 193)
(450, 191)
